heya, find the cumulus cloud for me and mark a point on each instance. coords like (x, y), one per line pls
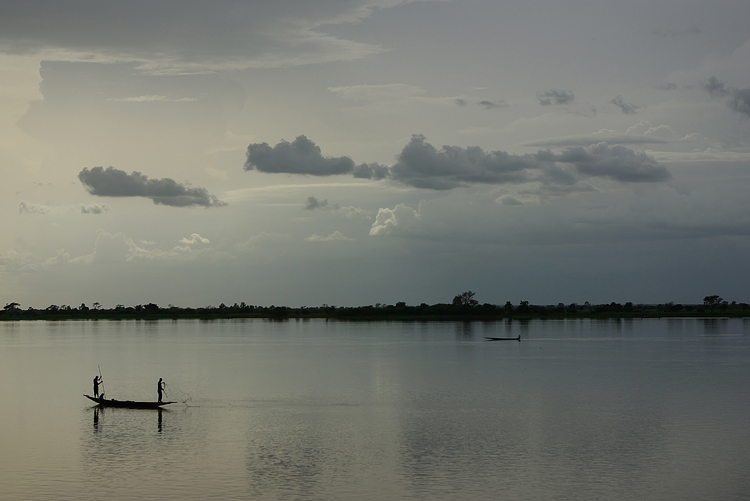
(421, 165)
(615, 162)
(301, 156)
(94, 208)
(739, 98)
(194, 239)
(111, 182)
(627, 108)
(394, 221)
(336, 235)
(555, 96)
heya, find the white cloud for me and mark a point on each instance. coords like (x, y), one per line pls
(395, 221)
(336, 235)
(194, 239)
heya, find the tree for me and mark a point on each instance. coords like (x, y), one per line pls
(11, 306)
(712, 301)
(465, 299)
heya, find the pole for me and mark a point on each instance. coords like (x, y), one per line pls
(101, 379)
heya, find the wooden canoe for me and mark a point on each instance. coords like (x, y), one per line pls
(127, 403)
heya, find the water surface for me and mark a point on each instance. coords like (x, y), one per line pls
(580, 409)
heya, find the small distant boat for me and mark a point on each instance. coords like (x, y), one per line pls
(127, 403)
(503, 338)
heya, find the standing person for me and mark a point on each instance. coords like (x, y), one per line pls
(97, 382)
(160, 388)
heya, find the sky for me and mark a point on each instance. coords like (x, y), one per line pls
(355, 152)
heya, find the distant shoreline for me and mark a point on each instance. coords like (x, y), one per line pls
(397, 312)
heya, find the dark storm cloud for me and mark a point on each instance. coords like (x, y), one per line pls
(739, 98)
(555, 96)
(301, 156)
(421, 165)
(111, 182)
(627, 108)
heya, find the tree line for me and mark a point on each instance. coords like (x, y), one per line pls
(463, 306)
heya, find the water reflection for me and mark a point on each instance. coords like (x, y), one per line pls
(714, 326)
(464, 330)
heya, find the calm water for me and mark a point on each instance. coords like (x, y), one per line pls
(641, 409)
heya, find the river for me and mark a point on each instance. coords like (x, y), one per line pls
(280, 410)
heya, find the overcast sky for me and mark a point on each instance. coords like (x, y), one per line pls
(353, 152)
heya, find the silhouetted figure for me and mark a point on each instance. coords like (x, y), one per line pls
(97, 382)
(160, 388)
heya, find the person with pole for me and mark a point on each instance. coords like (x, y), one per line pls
(160, 388)
(97, 381)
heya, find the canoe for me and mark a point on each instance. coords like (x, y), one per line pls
(127, 403)
(503, 338)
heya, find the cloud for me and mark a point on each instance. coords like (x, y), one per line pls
(488, 105)
(421, 165)
(94, 208)
(627, 108)
(111, 182)
(394, 221)
(336, 235)
(589, 139)
(31, 208)
(348, 211)
(615, 162)
(173, 36)
(194, 239)
(739, 98)
(555, 96)
(461, 102)
(301, 156)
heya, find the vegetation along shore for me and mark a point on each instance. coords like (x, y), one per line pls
(463, 307)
